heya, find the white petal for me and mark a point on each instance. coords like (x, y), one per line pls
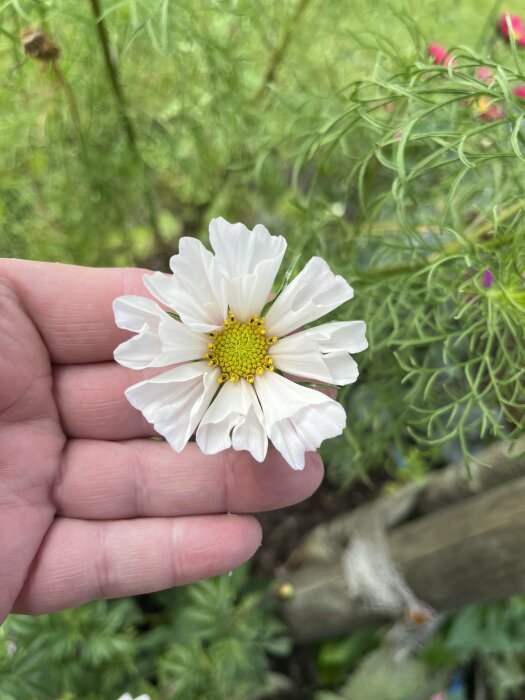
(338, 335)
(134, 313)
(342, 366)
(180, 343)
(251, 260)
(301, 358)
(297, 418)
(196, 290)
(161, 340)
(313, 293)
(175, 401)
(235, 409)
(321, 353)
(251, 435)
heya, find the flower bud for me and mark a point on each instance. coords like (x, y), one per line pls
(439, 55)
(517, 28)
(485, 74)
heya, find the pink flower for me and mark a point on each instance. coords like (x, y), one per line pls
(439, 55)
(517, 27)
(519, 91)
(487, 111)
(485, 74)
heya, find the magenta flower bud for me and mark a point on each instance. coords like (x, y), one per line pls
(519, 91)
(439, 55)
(488, 279)
(517, 27)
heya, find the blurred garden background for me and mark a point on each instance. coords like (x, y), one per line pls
(126, 124)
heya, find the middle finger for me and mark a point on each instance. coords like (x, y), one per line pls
(137, 478)
(91, 401)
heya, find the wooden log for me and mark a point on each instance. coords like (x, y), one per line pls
(441, 488)
(469, 552)
(498, 463)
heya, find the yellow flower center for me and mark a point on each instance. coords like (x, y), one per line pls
(482, 104)
(240, 349)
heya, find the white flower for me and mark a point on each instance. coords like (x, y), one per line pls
(127, 696)
(227, 363)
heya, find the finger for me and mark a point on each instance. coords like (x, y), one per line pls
(84, 560)
(72, 306)
(92, 404)
(140, 478)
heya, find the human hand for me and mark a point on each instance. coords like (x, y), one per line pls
(89, 506)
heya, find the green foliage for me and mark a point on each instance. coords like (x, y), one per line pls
(210, 641)
(88, 651)
(440, 206)
(494, 629)
(339, 657)
(380, 677)
(220, 642)
(490, 634)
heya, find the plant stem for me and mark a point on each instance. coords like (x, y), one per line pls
(113, 75)
(127, 124)
(276, 58)
(71, 99)
(279, 52)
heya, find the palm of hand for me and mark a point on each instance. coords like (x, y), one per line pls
(31, 442)
(89, 506)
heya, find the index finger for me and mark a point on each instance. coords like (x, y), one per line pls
(72, 306)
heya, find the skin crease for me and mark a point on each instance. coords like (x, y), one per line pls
(90, 507)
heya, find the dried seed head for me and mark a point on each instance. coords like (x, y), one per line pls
(37, 44)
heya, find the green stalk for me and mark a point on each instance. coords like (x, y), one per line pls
(127, 124)
(113, 76)
(278, 54)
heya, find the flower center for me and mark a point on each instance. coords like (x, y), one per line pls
(240, 349)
